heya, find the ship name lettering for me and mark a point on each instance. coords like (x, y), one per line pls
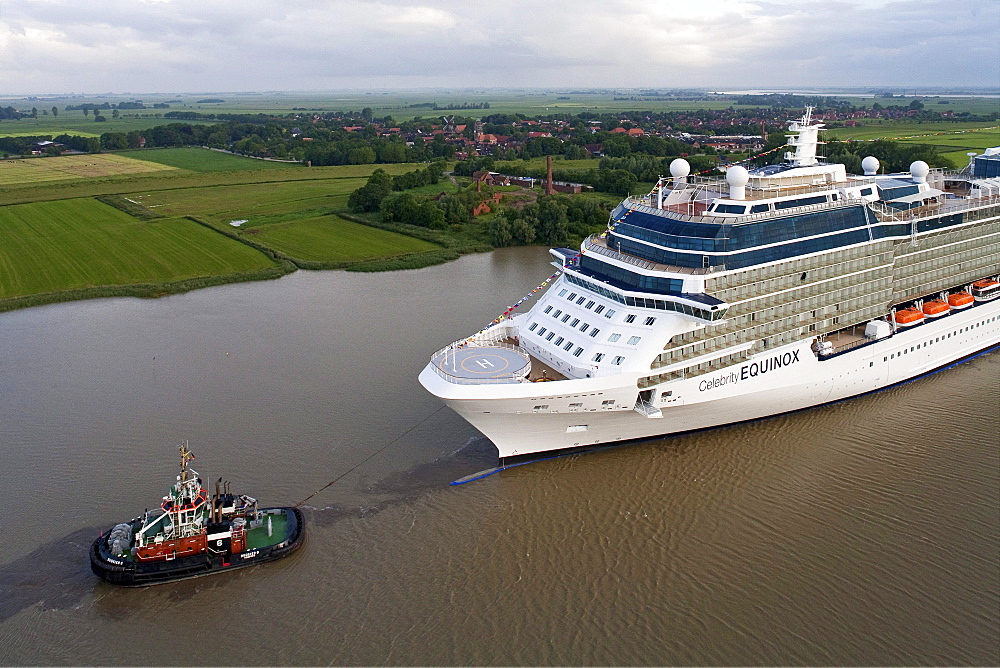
(751, 370)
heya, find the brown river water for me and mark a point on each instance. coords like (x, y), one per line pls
(864, 532)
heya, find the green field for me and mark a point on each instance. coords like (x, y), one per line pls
(31, 171)
(953, 140)
(532, 102)
(332, 239)
(204, 160)
(73, 244)
(58, 242)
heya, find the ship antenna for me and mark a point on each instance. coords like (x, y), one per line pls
(186, 456)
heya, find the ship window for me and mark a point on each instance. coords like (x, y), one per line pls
(584, 327)
(608, 403)
(595, 332)
(730, 208)
(577, 352)
(760, 208)
(650, 321)
(548, 308)
(533, 326)
(597, 357)
(576, 321)
(563, 292)
(572, 296)
(866, 191)
(565, 317)
(549, 337)
(610, 313)
(541, 407)
(559, 341)
(541, 331)
(634, 340)
(630, 318)
(618, 359)
(557, 313)
(600, 307)
(568, 346)
(614, 338)
(581, 300)
(590, 304)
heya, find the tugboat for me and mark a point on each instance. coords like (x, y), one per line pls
(192, 534)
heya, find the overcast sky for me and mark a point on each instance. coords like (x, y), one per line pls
(96, 46)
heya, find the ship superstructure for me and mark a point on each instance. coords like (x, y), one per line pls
(711, 301)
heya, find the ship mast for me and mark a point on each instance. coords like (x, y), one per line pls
(805, 140)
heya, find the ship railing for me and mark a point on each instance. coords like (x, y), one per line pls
(518, 376)
(644, 207)
(496, 380)
(591, 246)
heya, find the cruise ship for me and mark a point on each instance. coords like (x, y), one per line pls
(712, 301)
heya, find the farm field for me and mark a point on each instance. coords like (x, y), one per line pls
(67, 245)
(197, 159)
(83, 243)
(258, 204)
(330, 238)
(65, 167)
(397, 103)
(953, 140)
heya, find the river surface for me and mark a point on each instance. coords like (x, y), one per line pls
(865, 532)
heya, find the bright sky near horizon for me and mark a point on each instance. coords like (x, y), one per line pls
(96, 46)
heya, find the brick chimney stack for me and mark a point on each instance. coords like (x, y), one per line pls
(549, 190)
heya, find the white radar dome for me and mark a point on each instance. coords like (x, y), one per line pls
(737, 176)
(870, 165)
(680, 168)
(919, 171)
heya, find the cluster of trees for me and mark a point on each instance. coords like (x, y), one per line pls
(380, 185)
(550, 220)
(892, 156)
(450, 107)
(22, 145)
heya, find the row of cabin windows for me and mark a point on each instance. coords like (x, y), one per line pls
(618, 359)
(936, 339)
(630, 318)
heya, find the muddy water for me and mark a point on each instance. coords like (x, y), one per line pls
(866, 532)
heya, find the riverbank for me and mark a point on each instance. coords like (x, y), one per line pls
(88, 227)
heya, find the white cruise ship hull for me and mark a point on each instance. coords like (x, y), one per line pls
(523, 419)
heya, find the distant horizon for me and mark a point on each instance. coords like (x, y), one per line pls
(845, 91)
(347, 45)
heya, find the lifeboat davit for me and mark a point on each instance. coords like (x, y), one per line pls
(959, 300)
(908, 317)
(935, 308)
(985, 290)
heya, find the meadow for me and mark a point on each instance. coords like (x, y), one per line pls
(67, 167)
(953, 140)
(332, 239)
(398, 104)
(80, 244)
(168, 226)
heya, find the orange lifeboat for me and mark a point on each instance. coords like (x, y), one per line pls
(959, 300)
(935, 308)
(985, 290)
(908, 317)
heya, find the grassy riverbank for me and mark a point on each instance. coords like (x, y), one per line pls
(150, 223)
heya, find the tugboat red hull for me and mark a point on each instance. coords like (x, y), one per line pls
(132, 573)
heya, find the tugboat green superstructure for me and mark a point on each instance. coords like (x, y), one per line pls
(193, 534)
